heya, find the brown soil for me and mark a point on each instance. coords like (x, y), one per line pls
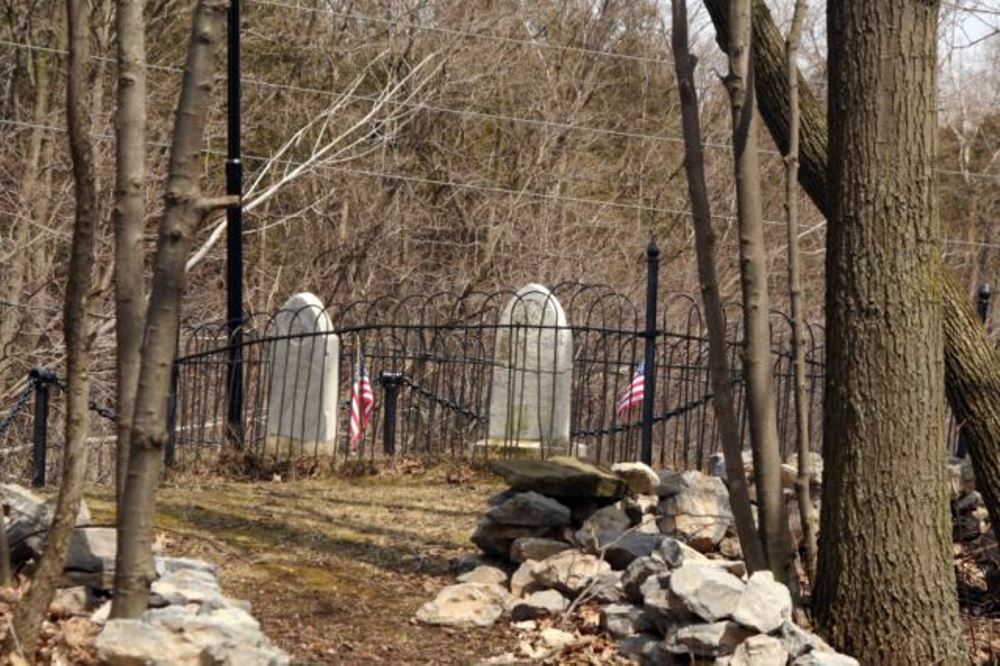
(336, 568)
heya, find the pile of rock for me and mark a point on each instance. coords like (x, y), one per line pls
(970, 519)
(644, 547)
(189, 620)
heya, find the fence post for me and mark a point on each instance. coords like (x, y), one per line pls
(43, 380)
(983, 306)
(649, 362)
(982, 309)
(170, 450)
(391, 381)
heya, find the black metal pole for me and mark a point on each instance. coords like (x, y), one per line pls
(391, 382)
(170, 450)
(43, 381)
(983, 305)
(982, 309)
(234, 235)
(649, 362)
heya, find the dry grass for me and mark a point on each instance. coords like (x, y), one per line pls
(335, 568)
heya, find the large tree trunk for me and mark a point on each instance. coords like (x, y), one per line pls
(972, 361)
(184, 210)
(30, 612)
(757, 363)
(885, 590)
(129, 212)
(807, 512)
(722, 401)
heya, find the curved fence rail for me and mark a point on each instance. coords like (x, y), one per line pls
(471, 368)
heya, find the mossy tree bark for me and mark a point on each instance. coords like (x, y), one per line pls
(972, 361)
(885, 590)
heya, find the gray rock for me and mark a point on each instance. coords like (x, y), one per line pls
(92, 549)
(797, 641)
(971, 501)
(606, 588)
(636, 574)
(621, 620)
(185, 586)
(639, 505)
(168, 565)
(731, 549)
(641, 646)
(70, 601)
(673, 552)
(664, 608)
(825, 659)
(495, 539)
(530, 509)
(536, 548)
(569, 571)
(604, 526)
(133, 643)
(759, 651)
(28, 519)
(560, 477)
(963, 478)
(466, 605)
(710, 639)
(466, 563)
(710, 593)
(539, 604)
(522, 581)
(630, 546)
(485, 574)
(499, 498)
(697, 510)
(765, 603)
(640, 477)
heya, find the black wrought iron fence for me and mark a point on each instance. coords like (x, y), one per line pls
(456, 370)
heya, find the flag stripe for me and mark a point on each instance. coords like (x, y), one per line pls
(362, 404)
(634, 394)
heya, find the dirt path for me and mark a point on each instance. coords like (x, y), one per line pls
(336, 568)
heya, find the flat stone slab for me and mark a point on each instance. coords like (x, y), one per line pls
(560, 477)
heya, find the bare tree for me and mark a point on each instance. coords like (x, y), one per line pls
(722, 401)
(807, 512)
(757, 364)
(184, 210)
(129, 216)
(30, 612)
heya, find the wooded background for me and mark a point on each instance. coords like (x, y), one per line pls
(418, 146)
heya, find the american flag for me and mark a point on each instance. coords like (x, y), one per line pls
(635, 392)
(362, 403)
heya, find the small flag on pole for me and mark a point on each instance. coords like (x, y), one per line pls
(362, 403)
(635, 392)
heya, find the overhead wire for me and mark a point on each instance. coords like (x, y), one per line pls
(463, 112)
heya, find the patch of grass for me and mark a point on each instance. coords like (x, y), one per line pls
(335, 567)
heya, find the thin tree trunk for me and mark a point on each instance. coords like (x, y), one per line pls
(725, 414)
(885, 590)
(807, 512)
(129, 213)
(30, 612)
(762, 411)
(972, 361)
(184, 210)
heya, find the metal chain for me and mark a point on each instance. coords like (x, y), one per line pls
(444, 402)
(20, 404)
(105, 412)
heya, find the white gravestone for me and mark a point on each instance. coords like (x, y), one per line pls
(532, 376)
(305, 379)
